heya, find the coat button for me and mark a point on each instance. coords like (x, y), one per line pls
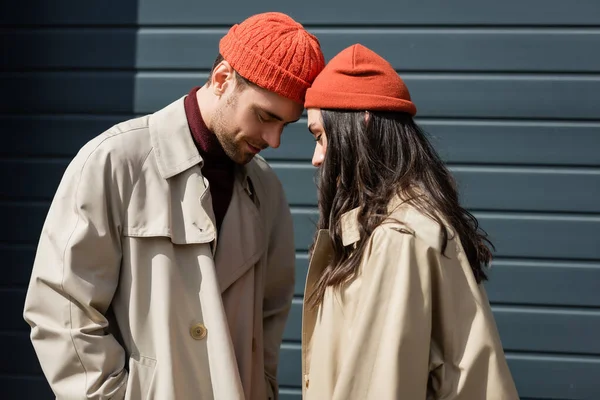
(198, 331)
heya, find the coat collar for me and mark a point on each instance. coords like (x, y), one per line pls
(174, 145)
(351, 227)
(179, 163)
(172, 140)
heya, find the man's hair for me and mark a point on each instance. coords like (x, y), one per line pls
(242, 82)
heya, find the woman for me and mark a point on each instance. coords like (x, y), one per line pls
(394, 306)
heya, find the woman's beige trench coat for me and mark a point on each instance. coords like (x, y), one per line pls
(413, 325)
(132, 297)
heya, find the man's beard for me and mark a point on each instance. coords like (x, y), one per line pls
(226, 139)
(225, 135)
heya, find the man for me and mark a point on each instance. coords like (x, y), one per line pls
(165, 268)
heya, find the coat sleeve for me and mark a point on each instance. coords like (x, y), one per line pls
(388, 353)
(279, 290)
(74, 277)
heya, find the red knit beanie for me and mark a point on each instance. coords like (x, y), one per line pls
(359, 79)
(274, 52)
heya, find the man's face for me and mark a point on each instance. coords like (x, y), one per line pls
(249, 119)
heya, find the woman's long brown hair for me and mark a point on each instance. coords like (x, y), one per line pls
(367, 163)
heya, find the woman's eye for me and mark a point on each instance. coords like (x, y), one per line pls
(318, 138)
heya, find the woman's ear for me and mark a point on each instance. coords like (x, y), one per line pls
(367, 117)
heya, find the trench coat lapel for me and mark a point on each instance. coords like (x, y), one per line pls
(241, 240)
(189, 218)
(320, 257)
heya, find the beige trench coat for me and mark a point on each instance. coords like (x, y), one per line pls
(133, 297)
(413, 325)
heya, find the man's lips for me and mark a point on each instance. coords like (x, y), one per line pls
(254, 149)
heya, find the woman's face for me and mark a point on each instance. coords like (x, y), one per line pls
(315, 126)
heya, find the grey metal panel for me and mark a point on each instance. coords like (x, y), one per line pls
(529, 189)
(12, 320)
(27, 387)
(407, 49)
(514, 235)
(16, 347)
(543, 236)
(472, 49)
(69, 48)
(436, 95)
(536, 376)
(505, 96)
(69, 12)
(482, 142)
(155, 90)
(51, 135)
(440, 95)
(17, 261)
(290, 394)
(458, 141)
(516, 142)
(19, 175)
(22, 222)
(551, 330)
(485, 188)
(290, 365)
(302, 261)
(552, 377)
(177, 48)
(531, 329)
(339, 12)
(511, 282)
(68, 92)
(555, 283)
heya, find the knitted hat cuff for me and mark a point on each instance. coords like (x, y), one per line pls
(357, 101)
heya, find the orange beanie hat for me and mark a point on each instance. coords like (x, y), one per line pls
(274, 52)
(359, 79)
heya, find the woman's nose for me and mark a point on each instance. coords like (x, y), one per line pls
(318, 157)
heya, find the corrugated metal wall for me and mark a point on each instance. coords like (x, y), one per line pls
(509, 91)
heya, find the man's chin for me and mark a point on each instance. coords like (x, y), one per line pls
(239, 157)
(246, 158)
(242, 158)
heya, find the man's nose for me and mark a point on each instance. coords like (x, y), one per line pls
(273, 137)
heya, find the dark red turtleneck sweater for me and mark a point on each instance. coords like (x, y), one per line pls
(218, 168)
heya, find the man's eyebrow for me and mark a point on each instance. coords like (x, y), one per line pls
(276, 117)
(270, 114)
